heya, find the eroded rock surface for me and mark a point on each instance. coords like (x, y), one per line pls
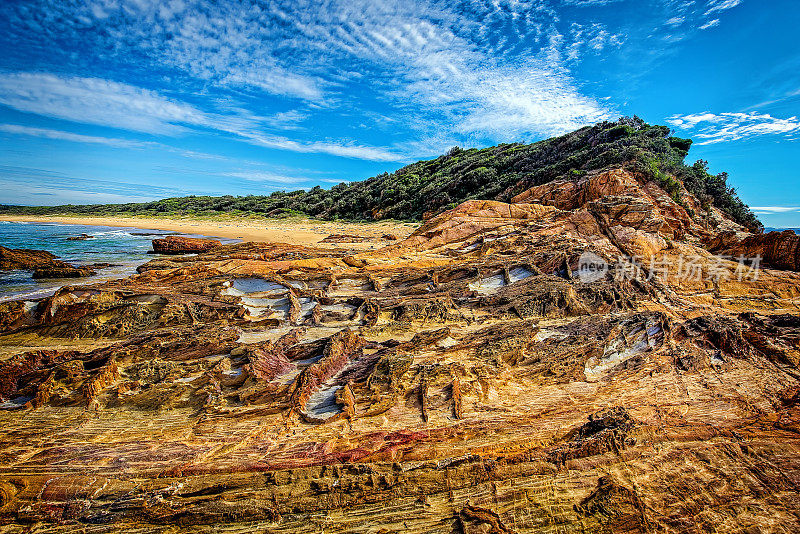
(41, 263)
(780, 250)
(465, 379)
(24, 259)
(183, 245)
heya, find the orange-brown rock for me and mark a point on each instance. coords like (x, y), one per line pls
(183, 245)
(43, 264)
(569, 195)
(23, 259)
(344, 238)
(469, 378)
(780, 250)
(59, 269)
(475, 217)
(82, 237)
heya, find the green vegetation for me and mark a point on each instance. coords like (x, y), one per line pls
(497, 172)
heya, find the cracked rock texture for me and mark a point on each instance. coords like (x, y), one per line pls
(464, 379)
(183, 245)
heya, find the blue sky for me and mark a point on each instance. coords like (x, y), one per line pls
(132, 100)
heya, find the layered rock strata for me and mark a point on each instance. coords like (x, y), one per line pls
(469, 378)
(183, 245)
(41, 263)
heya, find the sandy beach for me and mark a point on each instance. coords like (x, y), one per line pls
(296, 230)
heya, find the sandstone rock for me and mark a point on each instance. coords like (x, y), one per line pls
(24, 259)
(42, 263)
(344, 238)
(183, 245)
(637, 242)
(780, 250)
(569, 195)
(62, 270)
(463, 379)
(632, 212)
(82, 237)
(475, 217)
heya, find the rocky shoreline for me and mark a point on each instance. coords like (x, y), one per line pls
(43, 264)
(471, 377)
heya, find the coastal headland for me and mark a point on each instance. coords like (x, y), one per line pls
(611, 348)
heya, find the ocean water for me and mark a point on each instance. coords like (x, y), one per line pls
(125, 248)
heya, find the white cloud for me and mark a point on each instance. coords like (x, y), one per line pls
(60, 135)
(470, 72)
(123, 106)
(322, 147)
(590, 3)
(774, 209)
(444, 71)
(226, 43)
(434, 63)
(715, 6)
(722, 127)
(96, 101)
(710, 24)
(69, 136)
(675, 21)
(590, 37)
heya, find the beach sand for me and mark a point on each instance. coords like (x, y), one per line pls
(296, 230)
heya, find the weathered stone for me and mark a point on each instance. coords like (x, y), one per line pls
(183, 245)
(82, 237)
(464, 379)
(24, 259)
(780, 250)
(42, 264)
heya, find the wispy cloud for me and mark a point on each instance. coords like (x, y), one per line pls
(675, 21)
(96, 101)
(467, 71)
(69, 136)
(721, 5)
(30, 185)
(225, 43)
(434, 62)
(774, 209)
(722, 127)
(450, 72)
(713, 9)
(49, 133)
(710, 24)
(591, 37)
(590, 3)
(320, 147)
(123, 106)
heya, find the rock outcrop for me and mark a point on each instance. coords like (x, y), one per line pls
(43, 264)
(183, 245)
(82, 237)
(780, 250)
(62, 270)
(24, 259)
(469, 378)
